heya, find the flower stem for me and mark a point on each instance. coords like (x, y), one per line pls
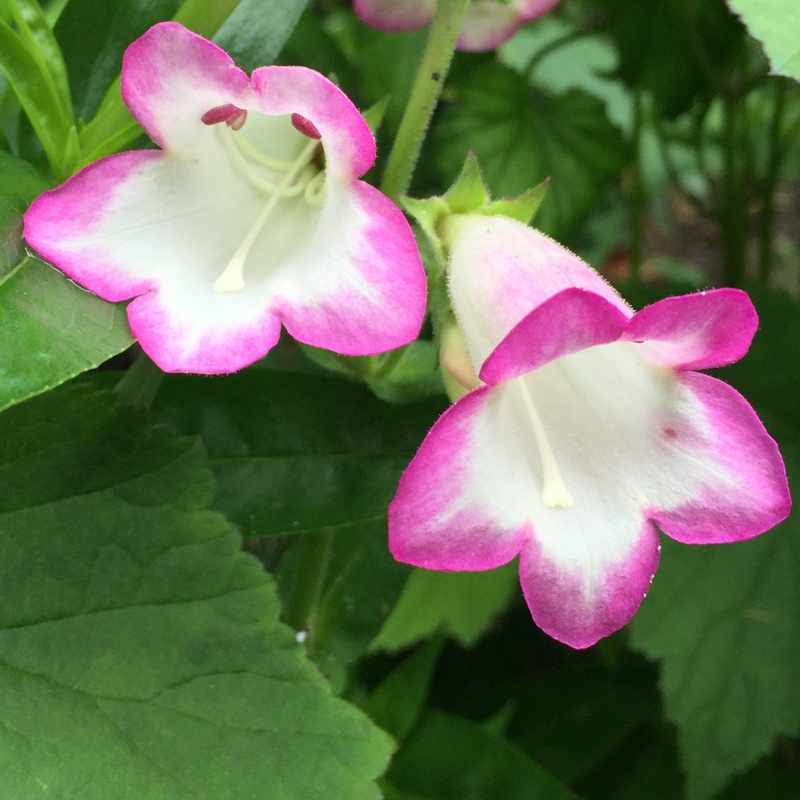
(139, 385)
(424, 95)
(308, 576)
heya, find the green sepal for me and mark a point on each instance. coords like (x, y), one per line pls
(374, 115)
(522, 208)
(428, 213)
(469, 193)
(442, 217)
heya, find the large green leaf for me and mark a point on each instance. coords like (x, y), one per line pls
(521, 138)
(725, 621)
(294, 452)
(50, 330)
(776, 24)
(310, 454)
(140, 652)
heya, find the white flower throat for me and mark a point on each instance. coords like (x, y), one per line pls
(554, 491)
(301, 176)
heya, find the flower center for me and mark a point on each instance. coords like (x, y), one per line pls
(554, 492)
(275, 178)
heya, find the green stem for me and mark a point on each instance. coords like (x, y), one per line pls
(767, 220)
(424, 95)
(308, 576)
(139, 385)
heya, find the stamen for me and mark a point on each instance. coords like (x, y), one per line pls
(233, 116)
(554, 492)
(305, 126)
(232, 277)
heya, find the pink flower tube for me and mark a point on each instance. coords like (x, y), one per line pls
(250, 215)
(592, 430)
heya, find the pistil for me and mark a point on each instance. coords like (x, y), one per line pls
(554, 492)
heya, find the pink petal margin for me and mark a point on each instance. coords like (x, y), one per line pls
(349, 143)
(62, 215)
(558, 600)
(696, 331)
(222, 347)
(436, 519)
(569, 321)
(722, 511)
(378, 299)
(170, 77)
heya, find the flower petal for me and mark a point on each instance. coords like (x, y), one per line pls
(348, 141)
(61, 224)
(567, 322)
(527, 268)
(201, 332)
(359, 286)
(587, 577)
(130, 225)
(723, 451)
(533, 9)
(487, 25)
(171, 77)
(461, 505)
(696, 331)
(395, 15)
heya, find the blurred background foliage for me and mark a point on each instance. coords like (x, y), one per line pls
(671, 142)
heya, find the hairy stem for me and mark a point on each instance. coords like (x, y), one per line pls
(424, 95)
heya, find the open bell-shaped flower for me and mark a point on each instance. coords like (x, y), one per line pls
(591, 430)
(487, 25)
(249, 216)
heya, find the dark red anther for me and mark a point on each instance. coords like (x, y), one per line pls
(305, 126)
(231, 115)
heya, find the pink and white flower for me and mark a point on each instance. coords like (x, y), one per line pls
(591, 430)
(488, 23)
(249, 216)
